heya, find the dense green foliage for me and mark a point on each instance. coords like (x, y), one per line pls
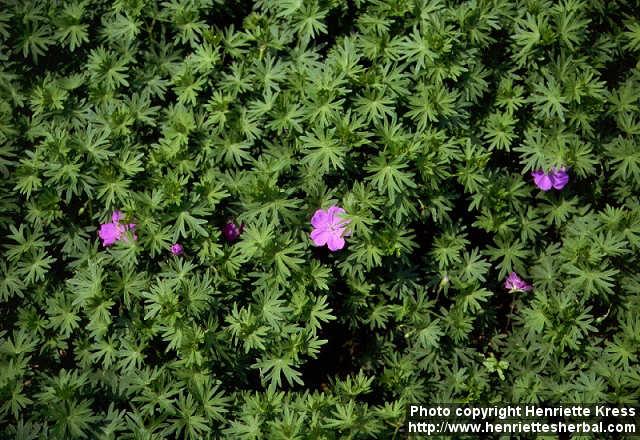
(422, 118)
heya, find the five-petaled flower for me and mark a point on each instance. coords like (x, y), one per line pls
(330, 228)
(556, 178)
(514, 283)
(177, 249)
(114, 231)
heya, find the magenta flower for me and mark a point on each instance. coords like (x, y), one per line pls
(556, 178)
(329, 228)
(559, 177)
(109, 233)
(231, 231)
(514, 283)
(177, 249)
(542, 180)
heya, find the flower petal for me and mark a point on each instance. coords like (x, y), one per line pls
(109, 233)
(514, 283)
(335, 210)
(559, 179)
(320, 236)
(336, 216)
(320, 219)
(335, 242)
(541, 180)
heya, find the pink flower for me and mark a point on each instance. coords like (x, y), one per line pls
(177, 249)
(557, 178)
(514, 283)
(329, 228)
(109, 233)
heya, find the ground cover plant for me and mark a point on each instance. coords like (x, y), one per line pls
(290, 219)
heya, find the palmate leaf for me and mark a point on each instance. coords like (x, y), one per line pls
(474, 267)
(122, 28)
(571, 25)
(633, 36)
(590, 281)
(500, 131)
(534, 319)
(17, 402)
(448, 247)
(26, 242)
(621, 352)
(529, 33)
(71, 31)
(374, 105)
(418, 48)
(131, 356)
(86, 284)
(105, 352)
(62, 314)
(189, 423)
(611, 244)
(344, 417)
(156, 239)
(625, 98)
(21, 342)
(367, 254)
(548, 99)
(379, 316)
(10, 283)
(214, 402)
(470, 175)
(195, 225)
(273, 309)
(388, 176)
(323, 151)
(510, 254)
(34, 41)
(431, 104)
(108, 68)
(289, 259)
(272, 370)
(272, 206)
(247, 427)
(290, 424)
(256, 238)
(589, 387)
(113, 190)
(244, 327)
(473, 301)
(625, 158)
(74, 419)
(309, 21)
(160, 299)
(430, 335)
(319, 313)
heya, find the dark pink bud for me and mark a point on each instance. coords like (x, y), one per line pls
(231, 231)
